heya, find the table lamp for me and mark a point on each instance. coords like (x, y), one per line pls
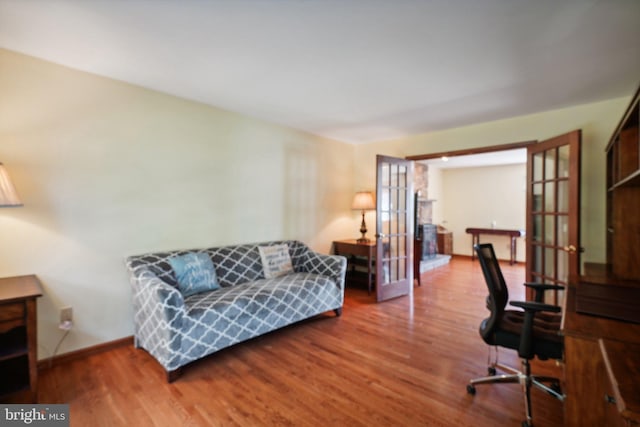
(8, 195)
(363, 201)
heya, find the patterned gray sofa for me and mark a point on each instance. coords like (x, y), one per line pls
(177, 330)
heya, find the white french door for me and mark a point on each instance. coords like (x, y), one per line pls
(394, 227)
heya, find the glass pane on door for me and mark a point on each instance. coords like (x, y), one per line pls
(386, 265)
(537, 197)
(537, 263)
(537, 228)
(550, 164)
(563, 196)
(563, 161)
(537, 166)
(563, 231)
(549, 229)
(549, 262)
(563, 262)
(549, 196)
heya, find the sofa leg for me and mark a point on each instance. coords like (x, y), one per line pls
(173, 375)
(338, 311)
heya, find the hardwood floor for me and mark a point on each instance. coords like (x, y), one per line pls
(399, 363)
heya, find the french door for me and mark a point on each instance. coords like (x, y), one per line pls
(553, 212)
(394, 227)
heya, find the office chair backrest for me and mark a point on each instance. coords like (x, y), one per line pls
(498, 292)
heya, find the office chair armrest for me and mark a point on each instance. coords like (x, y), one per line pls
(540, 288)
(543, 286)
(525, 348)
(533, 306)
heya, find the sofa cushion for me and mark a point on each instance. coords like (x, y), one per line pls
(215, 320)
(275, 260)
(194, 273)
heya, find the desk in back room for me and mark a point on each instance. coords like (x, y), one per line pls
(513, 234)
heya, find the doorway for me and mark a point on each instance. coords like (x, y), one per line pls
(462, 191)
(552, 214)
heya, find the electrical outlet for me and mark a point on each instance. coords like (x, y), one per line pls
(66, 315)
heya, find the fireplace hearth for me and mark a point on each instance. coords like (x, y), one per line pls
(427, 238)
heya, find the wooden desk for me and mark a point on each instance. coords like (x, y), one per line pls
(513, 234)
(18, 336)
(602, 369)
(353, 251)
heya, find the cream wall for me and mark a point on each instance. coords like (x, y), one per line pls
(106, 169)
(476, 197)
(435, 191)
(597, 121)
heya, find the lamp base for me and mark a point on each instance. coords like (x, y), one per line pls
(363, 231)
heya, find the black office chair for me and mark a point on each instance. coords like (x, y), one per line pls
(532, 332)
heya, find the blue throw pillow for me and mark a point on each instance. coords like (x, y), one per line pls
(194, 273)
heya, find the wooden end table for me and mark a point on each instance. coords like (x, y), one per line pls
(353, 250)
(18, 336)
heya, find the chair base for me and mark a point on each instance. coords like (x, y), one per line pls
(524, 378)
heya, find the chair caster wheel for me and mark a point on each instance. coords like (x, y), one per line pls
(492, 371)
(471, 389)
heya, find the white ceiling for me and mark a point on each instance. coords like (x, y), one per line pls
(351, 70)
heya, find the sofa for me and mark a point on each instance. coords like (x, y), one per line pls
(177, 327)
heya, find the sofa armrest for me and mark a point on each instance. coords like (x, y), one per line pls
(158, 313)
(334, 266)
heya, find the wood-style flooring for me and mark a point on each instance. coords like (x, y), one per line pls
(404, 362)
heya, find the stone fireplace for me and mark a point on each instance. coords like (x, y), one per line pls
(426, 232)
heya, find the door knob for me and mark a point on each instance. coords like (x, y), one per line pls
(380, 236)
(571, 249)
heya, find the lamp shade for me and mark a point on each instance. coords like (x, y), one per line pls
(363, 201)
(8, 195)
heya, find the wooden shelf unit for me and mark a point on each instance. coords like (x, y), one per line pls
(623, 150)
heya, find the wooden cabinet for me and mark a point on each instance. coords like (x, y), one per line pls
(622, 390)
(585, 382)
(445, 242)
(623, 195)
(18, 338)
(601, 320)
(615, 291)
(602, 369)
